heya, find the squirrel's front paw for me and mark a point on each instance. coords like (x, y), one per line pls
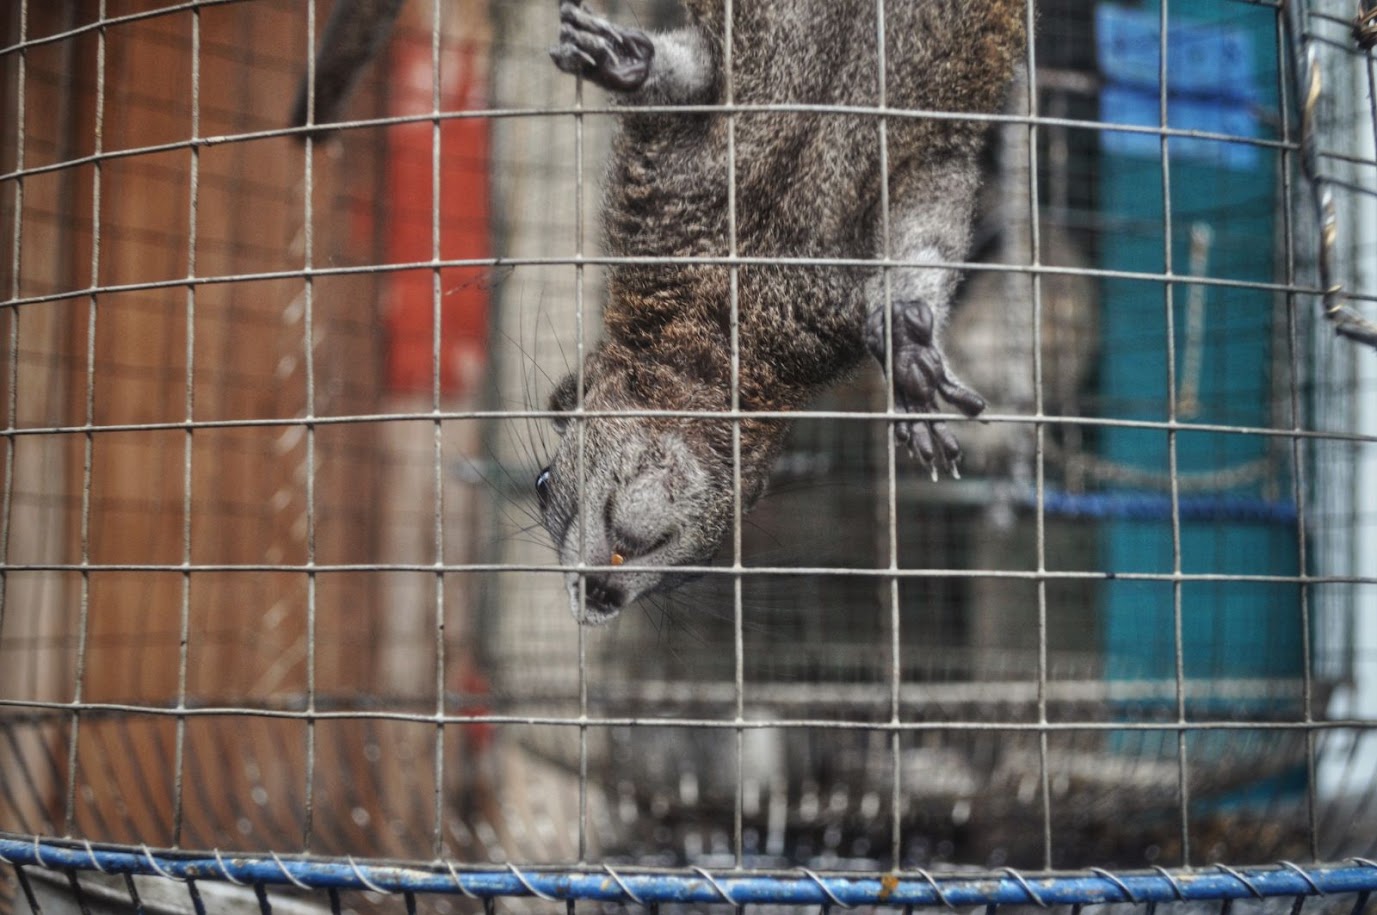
(920, 377)
(613, 57)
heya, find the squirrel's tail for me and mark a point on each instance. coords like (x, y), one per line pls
(354, 33)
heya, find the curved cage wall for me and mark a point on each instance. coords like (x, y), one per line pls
(279, 626)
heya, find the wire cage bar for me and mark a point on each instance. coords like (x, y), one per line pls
(278, 622)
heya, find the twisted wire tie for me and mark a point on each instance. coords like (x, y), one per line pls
(1027, 887)
(458, 883)
(622, 883)
(1122, 887)
(91, 856)
(822, 886)
(161, 872)
(364, 880)
(1171, 879)
(1257, 894)
(721, 891)
(529, 888)
(936, 888)
(1314, 887)
(288, 874)
(224, 871)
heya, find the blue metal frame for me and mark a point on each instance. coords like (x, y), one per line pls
(697, 885)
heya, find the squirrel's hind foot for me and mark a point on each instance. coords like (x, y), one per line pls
(616, 58)
(920, 377)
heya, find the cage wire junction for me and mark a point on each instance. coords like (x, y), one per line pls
(277, 622)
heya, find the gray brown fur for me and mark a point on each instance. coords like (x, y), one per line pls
(658, 493)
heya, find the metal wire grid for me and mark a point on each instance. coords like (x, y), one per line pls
(446, 713)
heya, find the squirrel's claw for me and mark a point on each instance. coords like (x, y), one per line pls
(616, 58)
(920, 377)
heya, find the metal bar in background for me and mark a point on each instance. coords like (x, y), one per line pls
(706, 571)
(609, 261)
(723, 109)
(645, 721)
(438, 445)
(88, 440)
(580, 429)
(734, 326)
(1034, 254)
(12, 341)
(1294, 368)
(189, 402)
(854, 416)
(308, 421)
(889, 589)
(581, 476)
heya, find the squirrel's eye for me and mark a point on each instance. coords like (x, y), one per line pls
(542, 486)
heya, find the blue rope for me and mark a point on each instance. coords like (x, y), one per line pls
(1151, 506)
(799, 888)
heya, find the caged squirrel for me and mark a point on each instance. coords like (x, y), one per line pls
(658, 493)
(643, 496)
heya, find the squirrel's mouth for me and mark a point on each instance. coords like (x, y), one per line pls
(601, 601)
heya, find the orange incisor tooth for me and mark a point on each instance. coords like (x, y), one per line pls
(618, 559)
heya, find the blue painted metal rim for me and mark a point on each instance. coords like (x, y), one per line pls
(697, 885)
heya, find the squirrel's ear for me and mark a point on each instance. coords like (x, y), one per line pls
(564, 398)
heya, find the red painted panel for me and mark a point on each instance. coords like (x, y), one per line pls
(410, 298)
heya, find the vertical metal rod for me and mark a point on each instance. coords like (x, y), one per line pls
(1183, 778)
(581, 430)
(734, 275)
(88, 441)
(583, 739)
(437, 390)
(1298, 476)
(184, 640)
(1371, 69)
(1358, 561)
(1355, 374)
(896, 668)
(1039, 430)
(16, 262)
(308, 302)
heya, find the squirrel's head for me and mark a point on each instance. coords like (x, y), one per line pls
(640, 496)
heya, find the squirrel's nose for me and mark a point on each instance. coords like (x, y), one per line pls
(601, 595)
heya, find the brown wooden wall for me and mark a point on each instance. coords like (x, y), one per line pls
(248, 491)
(119, 357)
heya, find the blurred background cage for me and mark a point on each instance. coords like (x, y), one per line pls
(272, 586)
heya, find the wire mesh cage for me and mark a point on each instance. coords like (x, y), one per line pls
(278, 620)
